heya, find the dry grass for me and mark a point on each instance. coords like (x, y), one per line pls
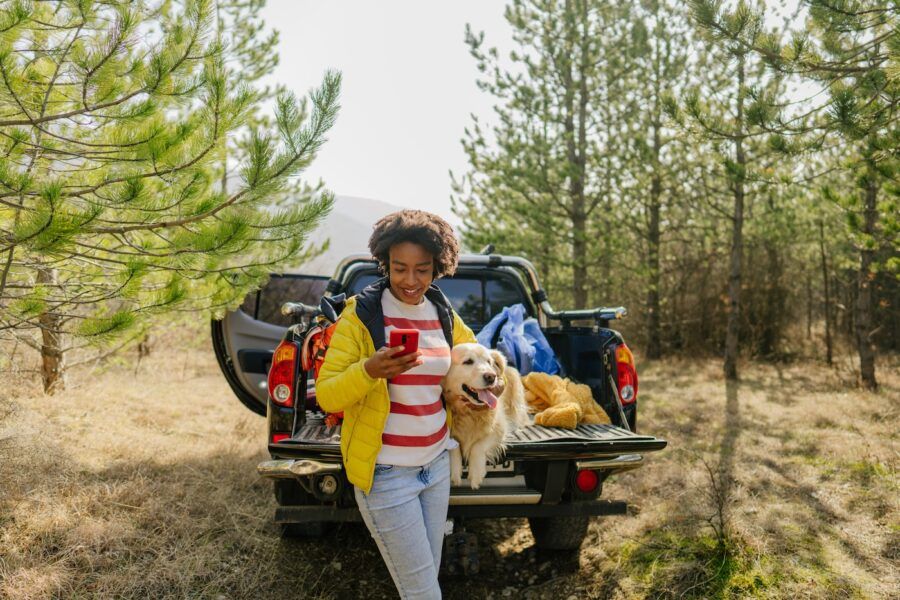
(143, 485)
(808, 472)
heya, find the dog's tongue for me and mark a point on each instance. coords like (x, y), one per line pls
(488, 398)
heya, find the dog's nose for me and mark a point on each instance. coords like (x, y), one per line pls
(489, 378)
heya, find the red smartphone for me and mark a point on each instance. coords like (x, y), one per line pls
(408, 338)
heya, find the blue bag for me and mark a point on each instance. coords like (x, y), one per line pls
(521, 340)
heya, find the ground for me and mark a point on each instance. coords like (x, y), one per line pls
(141, 482)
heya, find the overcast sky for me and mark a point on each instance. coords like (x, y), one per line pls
(408, 89)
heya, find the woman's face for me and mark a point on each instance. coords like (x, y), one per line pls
(410, 270)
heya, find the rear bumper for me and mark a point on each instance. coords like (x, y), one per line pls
(302, 467)
(509, 497)
(309, 514)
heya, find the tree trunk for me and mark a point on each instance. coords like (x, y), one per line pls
(809, 306)
(774, 303)
(775, 298)
(654, 346)
(579, 256)
(737, 242)
(53, 367)
(545, 262)
(605, 262)
(827, 290)
(850, 293)
(576, 151)
(654, 349)
(734, 288)
(864, 344)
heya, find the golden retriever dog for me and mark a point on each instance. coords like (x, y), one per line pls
(487, 400)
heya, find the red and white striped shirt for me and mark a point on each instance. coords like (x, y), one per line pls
(416, 429)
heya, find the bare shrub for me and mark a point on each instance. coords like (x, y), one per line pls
(719, 494)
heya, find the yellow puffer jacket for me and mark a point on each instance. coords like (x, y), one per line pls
(344, 385)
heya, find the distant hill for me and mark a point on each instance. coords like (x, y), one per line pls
(348, 226)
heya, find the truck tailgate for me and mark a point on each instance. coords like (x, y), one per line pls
(584, 441)
(532, 442)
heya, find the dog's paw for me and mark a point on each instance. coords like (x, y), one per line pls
(455, 477)
(477, 473)
(455, 467)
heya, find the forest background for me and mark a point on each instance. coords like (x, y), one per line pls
(728, 176)
(732, 182)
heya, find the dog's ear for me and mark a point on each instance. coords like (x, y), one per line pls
(456, 354)
(499, 361)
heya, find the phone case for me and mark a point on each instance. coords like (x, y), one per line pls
(409, 338)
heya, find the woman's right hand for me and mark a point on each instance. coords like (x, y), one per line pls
(385, 363)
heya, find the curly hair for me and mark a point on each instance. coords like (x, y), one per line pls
(423, 228)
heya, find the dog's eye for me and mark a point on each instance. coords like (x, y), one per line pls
(469, 361)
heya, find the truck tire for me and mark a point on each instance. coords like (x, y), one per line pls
(290, 493)
(558, 533)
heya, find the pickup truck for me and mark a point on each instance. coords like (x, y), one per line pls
(553, 477)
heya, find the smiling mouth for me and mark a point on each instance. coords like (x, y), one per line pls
(483, 396)
(471, 393)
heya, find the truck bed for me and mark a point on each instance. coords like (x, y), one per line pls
(532, 442)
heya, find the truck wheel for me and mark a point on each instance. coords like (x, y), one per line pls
(290, 493)
(558, 533)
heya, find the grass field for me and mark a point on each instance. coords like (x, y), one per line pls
(142, 484)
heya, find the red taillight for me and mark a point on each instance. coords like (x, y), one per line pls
(281, 374)
(277, 437)
(627, 373)
(586, 480)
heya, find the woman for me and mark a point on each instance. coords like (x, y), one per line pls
(395, 437)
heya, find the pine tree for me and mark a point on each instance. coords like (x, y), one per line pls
(661, 58)
(855, 50)
(114, 116)
(851, 48)
(546, 171)
(728, 113)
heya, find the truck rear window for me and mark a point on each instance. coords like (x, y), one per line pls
(498, 294)
(475, 298)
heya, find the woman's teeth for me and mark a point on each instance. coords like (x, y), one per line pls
(410, 292)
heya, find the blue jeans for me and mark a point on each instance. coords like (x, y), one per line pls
(405, 512)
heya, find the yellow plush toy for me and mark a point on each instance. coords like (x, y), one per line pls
(559, 402)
